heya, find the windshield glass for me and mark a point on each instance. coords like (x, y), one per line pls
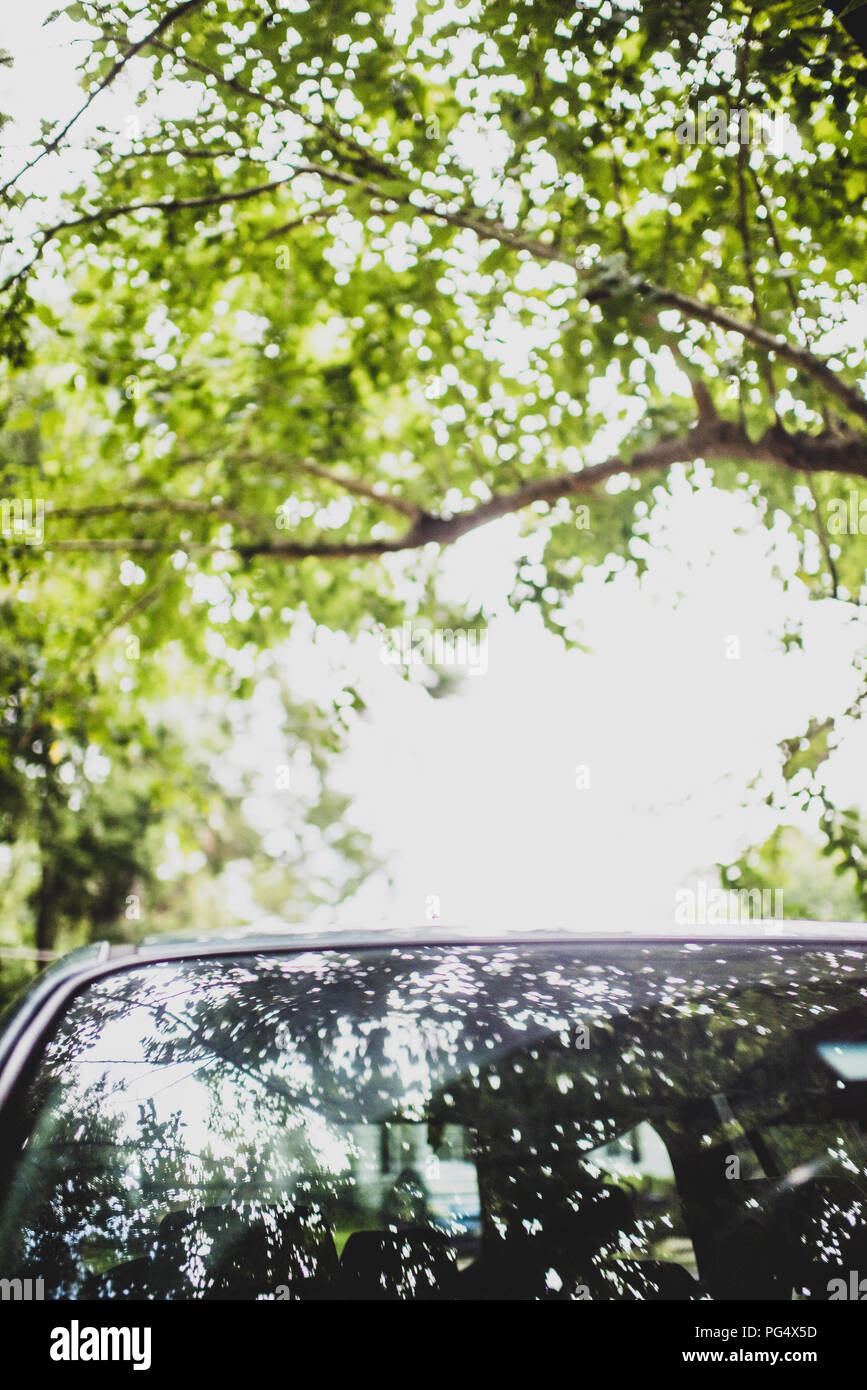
(497, 1121)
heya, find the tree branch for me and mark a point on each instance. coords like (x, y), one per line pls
(131, 50)
(164, 205)
(485, 228)
(711, 439)
(179, 505)
(801, 357)
(707, 411)
(276, 104)
(360, 489)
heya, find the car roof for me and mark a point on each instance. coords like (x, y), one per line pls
(103, 956)
(271, 934)
(26, 1020)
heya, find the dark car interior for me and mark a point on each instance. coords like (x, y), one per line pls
(773, 1246)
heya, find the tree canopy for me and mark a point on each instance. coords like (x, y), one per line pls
(344, 283)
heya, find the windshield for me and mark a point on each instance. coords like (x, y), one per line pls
(498, 1121)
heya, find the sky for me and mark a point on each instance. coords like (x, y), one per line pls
(555, 788)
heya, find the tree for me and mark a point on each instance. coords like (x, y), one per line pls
(344, 285)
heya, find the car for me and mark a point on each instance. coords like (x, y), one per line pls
(438, 1114)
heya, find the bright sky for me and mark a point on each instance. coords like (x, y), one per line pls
(474, 798)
